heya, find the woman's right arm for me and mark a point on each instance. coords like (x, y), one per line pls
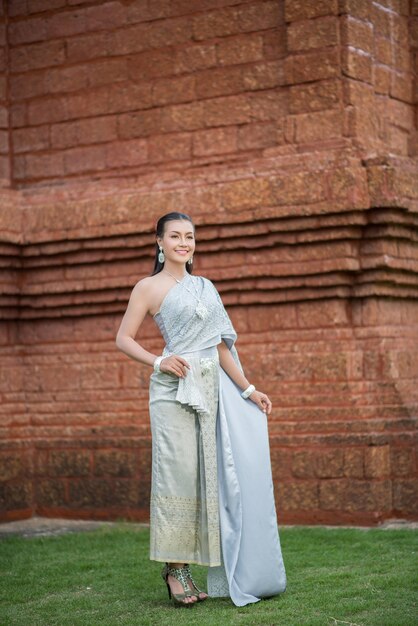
(138, 306)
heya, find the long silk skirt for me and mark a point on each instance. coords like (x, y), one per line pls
(184, 488)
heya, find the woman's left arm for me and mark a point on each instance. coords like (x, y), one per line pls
(228, 364)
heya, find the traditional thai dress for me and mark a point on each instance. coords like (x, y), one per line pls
(212, 500)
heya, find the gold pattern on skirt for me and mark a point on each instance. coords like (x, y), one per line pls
(184, 493)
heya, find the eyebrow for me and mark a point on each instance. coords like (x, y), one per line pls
(190, 232)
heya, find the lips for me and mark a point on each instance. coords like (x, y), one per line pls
(183, 252)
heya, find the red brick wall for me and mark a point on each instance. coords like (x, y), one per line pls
(287, 130)
(4, 102)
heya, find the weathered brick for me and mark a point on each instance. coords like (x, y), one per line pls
(68, 79)
(381, 20)
(263, 75)
(357, 34)
(91, 46)
(322, 314)
(253, 136)
(121, 154)
(226, 111)
(355, 8)
(43, 165)
(383, 50)
(196, 57)
(50, 492)
(95, 130)
(26, 58)
(244, 49)
(168, 32)
(15, 496)
(311, 66)
(108, 15)
(18, 7)
(376, 461)
(2, 59)
(355, 495)
(27, 31)
(402, 58)
(173, 90)
(357, 65)
(305, 9)
(316, 126)
(325, 94)
(169, 147)
(402, 461)
(38, 6)
(245, 193)
(81, 160)
(330, 464)
(304, 464)
(4, 142)
(382, 79)
(401, 87)
(69, 463)
(151, 64)
(141, 124)
(280, 463)
(259, 16)
(27, 86)
(30, 139)
(267, 106)
(405, 496)
(307, 35)
(354, 463)
(274, 44)
(216, 24)
(297, 495)
(66, 24)
(215, 141)
(115, 463)
(93, 493)
(219, 82)
(10, 466)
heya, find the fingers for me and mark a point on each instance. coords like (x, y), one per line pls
(175, 365)
(262, 401)
(267, 404)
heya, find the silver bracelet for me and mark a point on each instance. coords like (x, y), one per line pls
(157, 363)
(247, 392)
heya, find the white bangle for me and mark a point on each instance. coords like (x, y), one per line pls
(247, 392)
(157, 363)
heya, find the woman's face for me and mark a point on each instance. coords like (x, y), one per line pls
(178, 241)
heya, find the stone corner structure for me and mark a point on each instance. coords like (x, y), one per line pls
(288, 130)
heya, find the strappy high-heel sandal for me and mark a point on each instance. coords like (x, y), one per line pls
(179, 574)
(195, 589)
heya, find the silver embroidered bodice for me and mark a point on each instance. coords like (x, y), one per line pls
(189, 333)
(181, 324)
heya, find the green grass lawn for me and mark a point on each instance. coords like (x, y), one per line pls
(335, 577)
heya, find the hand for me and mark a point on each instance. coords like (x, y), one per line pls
(261, 400)
(174, 365)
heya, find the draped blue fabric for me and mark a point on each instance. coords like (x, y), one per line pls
(250, 541)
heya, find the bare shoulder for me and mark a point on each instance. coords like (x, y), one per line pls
(147, 290)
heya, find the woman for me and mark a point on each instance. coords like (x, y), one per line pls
(212, 497)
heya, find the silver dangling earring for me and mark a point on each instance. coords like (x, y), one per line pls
(190, 261)
(161, 257)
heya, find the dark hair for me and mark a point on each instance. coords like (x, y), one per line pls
(159, 231)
